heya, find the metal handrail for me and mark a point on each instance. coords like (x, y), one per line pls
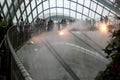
(23, 71)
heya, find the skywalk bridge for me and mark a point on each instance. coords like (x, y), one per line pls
(74, 56)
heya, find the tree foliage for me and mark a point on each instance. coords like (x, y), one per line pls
(112, 71)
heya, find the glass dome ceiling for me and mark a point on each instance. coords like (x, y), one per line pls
(31, 9)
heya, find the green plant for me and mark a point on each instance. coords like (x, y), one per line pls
(112, 71)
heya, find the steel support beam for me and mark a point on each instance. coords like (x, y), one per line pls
(17, 5)
(110, 6)
(16, 8)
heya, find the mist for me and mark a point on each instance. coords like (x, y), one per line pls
(42, 65)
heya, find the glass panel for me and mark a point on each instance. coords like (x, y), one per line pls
(84, 17)
(66, 4)
(72, 14)
(66, 12)
(74, 0)
(9, 2)
(60, 3)
(26, 2)
(46, 13)
(87, 3)
(53, 11)
(85, 11)
(14, 20)
(99, 9)
(97, 16)
(92, 14)
(79, 8)
(39, 8)
(73, 6)
(45, 4)
(18, 13)
(38, 1)
(60, 11)
(24, 16)
(34, 13)
(22, 6)
(52, 3)
(33, 4)
(41, 15)
(105, 12)
(80, 1)
(28, 9)
(78, 16)
(5, 9)
(93, 6)
(2, 1)
(111, 14)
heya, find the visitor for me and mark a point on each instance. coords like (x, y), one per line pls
(106, 19)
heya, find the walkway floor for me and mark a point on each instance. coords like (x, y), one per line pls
(78, 50)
